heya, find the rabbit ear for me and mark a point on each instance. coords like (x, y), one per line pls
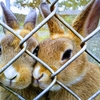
(88, 19)
(30, 20)
(53, 23)
(9, 17)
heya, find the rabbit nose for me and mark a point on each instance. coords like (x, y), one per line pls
(37, 74)
(39, 78)
(10, 73)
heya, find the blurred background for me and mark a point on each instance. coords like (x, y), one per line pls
(67, 9)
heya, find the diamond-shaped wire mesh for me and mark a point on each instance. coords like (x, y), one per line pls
(84, 48)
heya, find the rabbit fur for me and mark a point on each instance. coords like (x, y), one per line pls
(81, 76)
(18, 76)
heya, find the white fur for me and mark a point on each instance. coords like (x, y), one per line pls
(10, 72)
(76, 80)
(56, 88)
(36, 72)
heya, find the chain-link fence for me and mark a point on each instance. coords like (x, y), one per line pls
(20, 18)
(23, 40)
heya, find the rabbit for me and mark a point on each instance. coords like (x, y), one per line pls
(18, 76)
(81, 76)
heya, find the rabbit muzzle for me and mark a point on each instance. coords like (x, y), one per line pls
(14, 78)
(42, 78)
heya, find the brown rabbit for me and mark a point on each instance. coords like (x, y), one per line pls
(17, 76)
(81, 76)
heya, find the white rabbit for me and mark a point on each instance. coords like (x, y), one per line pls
(81, 76)
(17, 76)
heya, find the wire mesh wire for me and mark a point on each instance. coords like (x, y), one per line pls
(23, 40)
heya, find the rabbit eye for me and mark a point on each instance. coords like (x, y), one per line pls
(0, 50)
(35, 52)
(67, 54)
